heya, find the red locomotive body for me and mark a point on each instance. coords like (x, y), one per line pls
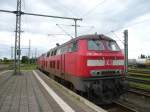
(91, 63)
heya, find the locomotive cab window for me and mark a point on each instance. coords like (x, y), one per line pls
(95, 45)
(55, 51)
(58, 51)
(48, 54)
(52, 53)
(64, 49)
(73, 47)
(112, 45)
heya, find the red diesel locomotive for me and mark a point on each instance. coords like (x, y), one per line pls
(92, 64)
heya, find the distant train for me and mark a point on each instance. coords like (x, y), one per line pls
(139, 62)
(91, 64)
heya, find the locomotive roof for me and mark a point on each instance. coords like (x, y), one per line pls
(90, 36)
(94, 36)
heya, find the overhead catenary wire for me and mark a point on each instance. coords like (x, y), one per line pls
(64, 31)
(18, 14)
(56, 34)
(60, 17)
(92, 9)
(65, 7)
(74, 25)
(81, 26)
(127, 26)
(42, 15)
(91, 28)
(117, 37)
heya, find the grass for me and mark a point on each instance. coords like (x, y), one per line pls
(28, 66)
(138, 74)
(139, 86)
(22, 66)
(142, 78)
(139, 69)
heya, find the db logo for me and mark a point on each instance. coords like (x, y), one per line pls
(108, 62)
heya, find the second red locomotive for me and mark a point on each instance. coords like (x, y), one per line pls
(92, 64)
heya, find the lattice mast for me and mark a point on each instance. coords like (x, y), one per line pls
(17, 37)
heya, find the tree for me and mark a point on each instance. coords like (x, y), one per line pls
(25, 59)
(142, 56)
(5, 60)
(33, 60)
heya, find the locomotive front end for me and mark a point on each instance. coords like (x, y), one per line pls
(105, 69)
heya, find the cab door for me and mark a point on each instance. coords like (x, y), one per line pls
(63, 63)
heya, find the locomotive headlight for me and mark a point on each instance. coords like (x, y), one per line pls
(95, 62)
(118, 62)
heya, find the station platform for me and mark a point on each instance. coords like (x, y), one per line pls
(33, 91)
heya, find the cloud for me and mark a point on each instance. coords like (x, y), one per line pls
(3, 50)
(109, 15)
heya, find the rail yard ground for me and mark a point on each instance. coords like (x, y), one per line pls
(136, 100)
(138, 96)
(22, 67)
(16, 95)
(4, 66)
(139, 78)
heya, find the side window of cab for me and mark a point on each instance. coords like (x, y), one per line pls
(73, 46)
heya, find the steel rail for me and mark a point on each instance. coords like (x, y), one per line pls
(140, 92)
(138, 80)
(125, 107)
(139, 71)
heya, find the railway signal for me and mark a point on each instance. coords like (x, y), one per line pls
(18, 14)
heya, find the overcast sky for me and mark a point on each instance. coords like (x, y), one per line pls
(101, 16)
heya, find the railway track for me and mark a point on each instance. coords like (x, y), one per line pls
(137, 80)
(118, 107)
(139, 75)
(124, 107)
(139, 71)
(140, 92)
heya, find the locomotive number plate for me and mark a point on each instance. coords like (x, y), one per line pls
(108, 62)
